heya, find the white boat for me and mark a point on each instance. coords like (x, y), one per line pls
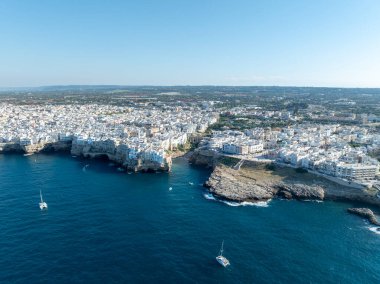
(170, 188)
(43, 204)
(191, 183)
(28, 154)
(221, 259)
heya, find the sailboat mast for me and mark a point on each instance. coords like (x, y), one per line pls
(221, 250)
(41, 196)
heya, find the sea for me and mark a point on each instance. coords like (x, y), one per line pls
(107, 226)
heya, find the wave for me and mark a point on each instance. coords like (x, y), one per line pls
(210, 196)
(313, 200)
(376, 230)
(246, 203)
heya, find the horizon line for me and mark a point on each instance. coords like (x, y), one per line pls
(4, 88)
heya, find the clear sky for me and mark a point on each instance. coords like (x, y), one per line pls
(190, 42)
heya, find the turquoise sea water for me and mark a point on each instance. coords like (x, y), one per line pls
(105, 226)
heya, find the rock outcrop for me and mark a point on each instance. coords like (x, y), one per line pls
(260, 182)
(366, 213)
(300, 191)
(236, 185)
(225, 183)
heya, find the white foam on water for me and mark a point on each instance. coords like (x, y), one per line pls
(246, 203)
(209, 196)
(376, 230)
(313, 200)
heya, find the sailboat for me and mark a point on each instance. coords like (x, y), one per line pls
(221, 259)
(43, 204)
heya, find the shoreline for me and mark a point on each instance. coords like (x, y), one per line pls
(254, 182)
(230, 185)
(258, 182)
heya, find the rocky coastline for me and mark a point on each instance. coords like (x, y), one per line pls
(61, 146)
(365, 213)
(118, 157)
(255, 182)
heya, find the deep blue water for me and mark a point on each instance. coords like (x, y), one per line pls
(104, 226)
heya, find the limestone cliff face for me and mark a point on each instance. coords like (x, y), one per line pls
(10, 147)
(47, 147)
(95, 150)
(120, 156)
(147, 166)
(204, 157)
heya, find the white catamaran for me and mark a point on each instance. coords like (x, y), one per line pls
(43, 204)
(221, 259)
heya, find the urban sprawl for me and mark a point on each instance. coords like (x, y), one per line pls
(148, 133)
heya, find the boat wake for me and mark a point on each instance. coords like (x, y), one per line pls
(210, 196)
(313, 200)
(376, 230)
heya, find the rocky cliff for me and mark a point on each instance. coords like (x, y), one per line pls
(255, 182)
(244, 185)
(91, 151)
(35, 148)
(121, 157)
(204, 157)
(366, 213)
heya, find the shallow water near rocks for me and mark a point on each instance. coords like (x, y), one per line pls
(106, 226)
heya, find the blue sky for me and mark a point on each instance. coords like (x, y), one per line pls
(193, 42)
